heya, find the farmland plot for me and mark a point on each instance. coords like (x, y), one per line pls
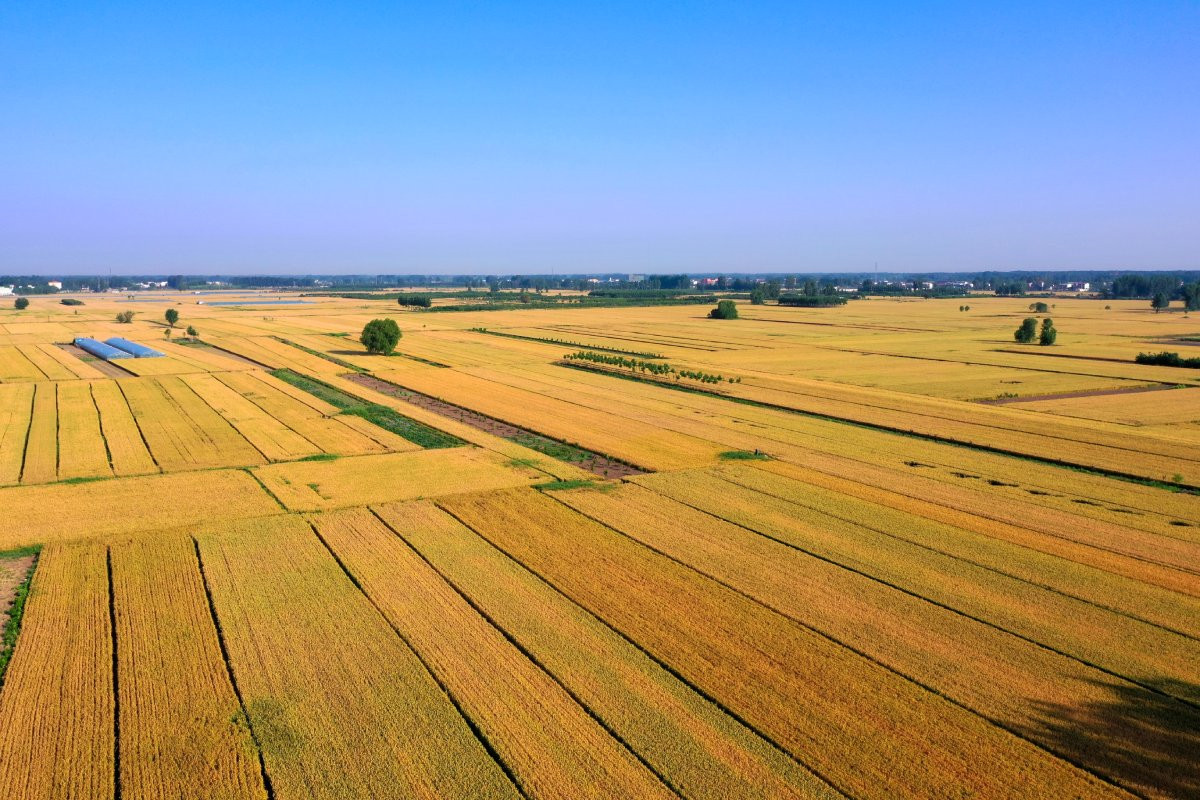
(62, 512)
(81, 446)
(694, 745)
(1001, 677)
(57, 703)
(794, 685)
(16, 405)
(182, 431)
(41, 448)
(307, 415)
(1137, 651)
(183, 733)
(552, 746)
(319, 485)
(339, 704)
(270, 436)
(126, 447)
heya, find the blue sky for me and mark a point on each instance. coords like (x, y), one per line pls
(570, 137)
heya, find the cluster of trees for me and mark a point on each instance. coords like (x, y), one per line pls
(380, 336)
(125, 317)
(964, 308)
(1165, 359)
(726, 309)
(1010, 289)
(652, 367)
(418, 300)
(817, 301)
(636, 364)
(1039, 307)
(1029, 331)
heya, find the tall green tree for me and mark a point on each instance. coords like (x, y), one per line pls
(172, 317)
(21, 303)
(1027, 332)
(380, 336)
(1160, 301)
(1048, 334)
(1191, 296)
(726, 309)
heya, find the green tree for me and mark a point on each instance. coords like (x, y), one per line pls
(1191, 296)
(125, 317)
(1048, 334)
(1160, 302)
(1027, 332)
(726, 309)
(192, 332)
(21, 303)
(1039, 307)
(172, 317)
(758, 297)
(380, 336)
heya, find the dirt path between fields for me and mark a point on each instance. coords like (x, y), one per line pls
(12, 572)
(107, 367)
(595, 463)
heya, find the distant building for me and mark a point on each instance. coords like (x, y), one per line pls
(55, 285)
(6, 290)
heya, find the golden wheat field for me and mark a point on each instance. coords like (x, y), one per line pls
(889, 553)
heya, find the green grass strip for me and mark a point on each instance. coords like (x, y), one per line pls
(16, 612)
(386, 418)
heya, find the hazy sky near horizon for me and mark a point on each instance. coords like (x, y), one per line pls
(620, 136)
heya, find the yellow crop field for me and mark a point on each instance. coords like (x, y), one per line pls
(48, 365)
(126, 447)
(82, 452)
(57, 703)
(798, 687)
(684, 737)
(183, 731)
(554, 748)
(41, 447)
(317, 485)
(16, 404)
(317, 425)
(181, 430)
(1121, 644)
(945, 651)
(339, 704)
(61, 512)
(897, 555)
(15, 366)
(272, 438)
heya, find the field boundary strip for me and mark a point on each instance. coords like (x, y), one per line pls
(602, 465)
(931, 437)
(389, 419)
(15, 613)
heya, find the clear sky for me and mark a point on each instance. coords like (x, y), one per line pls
(607, 136)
